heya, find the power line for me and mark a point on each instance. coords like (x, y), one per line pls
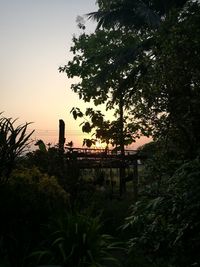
(55, 132)
(52, 130)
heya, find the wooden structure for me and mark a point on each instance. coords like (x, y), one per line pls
(105, 159)
(89, 158)
(61, 141)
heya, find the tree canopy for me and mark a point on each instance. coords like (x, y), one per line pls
(143, 61)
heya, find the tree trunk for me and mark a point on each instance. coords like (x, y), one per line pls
(122, 187)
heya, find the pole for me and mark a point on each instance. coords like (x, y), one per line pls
(122, 182)
(61, 135)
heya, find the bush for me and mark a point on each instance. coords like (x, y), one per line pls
(27, 201)
(159, 163)
(57, 164)
(166, 229)
(75, 240)
(13, 141)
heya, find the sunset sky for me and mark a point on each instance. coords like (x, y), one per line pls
(35, 38)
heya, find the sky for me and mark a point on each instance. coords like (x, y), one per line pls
(35, 39)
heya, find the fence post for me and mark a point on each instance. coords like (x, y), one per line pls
(61, 135)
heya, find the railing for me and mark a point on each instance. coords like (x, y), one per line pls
(100, 151)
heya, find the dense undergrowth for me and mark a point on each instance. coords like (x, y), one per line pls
(54, 217)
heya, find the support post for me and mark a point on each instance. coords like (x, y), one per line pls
(61, 135)
(135, 179)
(122, 182)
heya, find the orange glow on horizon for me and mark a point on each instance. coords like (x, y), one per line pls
(99, 145)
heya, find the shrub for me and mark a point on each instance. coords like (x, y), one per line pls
(27, 201)
(166, 229)
(13, 141)
(75, 241)
(67, 173)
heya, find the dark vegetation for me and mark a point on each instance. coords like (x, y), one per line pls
(143, 62)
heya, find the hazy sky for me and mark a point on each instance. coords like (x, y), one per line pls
(35, 37)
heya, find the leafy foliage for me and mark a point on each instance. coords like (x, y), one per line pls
(67, 173)
(160, 161)
(170, 87)
(133, 14)
(142, 62)
(13, 142)
(147, 74)
(27, 201)
(166, 227)
(105, 130)
(100, 61)
(76, 240)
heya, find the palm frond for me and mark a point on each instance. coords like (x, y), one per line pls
(132, 14)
